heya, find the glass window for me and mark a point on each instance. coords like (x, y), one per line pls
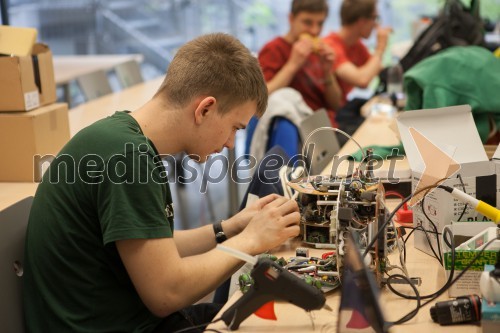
(157, 28)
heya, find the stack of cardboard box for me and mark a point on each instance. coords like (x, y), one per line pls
(32, 125)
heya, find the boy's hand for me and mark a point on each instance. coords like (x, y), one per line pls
(274, 223)
(301, 50)
(327, 57)
(382, 38)
(241, 219)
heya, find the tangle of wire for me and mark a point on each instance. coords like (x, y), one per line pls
(449, 243)
(422, 206)
(391, 216)
(450, 282)
(431, 297)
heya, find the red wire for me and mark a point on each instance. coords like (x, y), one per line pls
(396, 194)
(326, 254)
(405, 206)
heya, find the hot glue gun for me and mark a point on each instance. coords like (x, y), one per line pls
(272, 282)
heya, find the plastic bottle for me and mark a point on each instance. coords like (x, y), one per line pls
(395, 80)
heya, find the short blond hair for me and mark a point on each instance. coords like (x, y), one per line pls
(352, 10)
(216, 65)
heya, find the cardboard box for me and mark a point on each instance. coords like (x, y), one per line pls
(43, 131)
(452, 129)
(465, 252)
(469, 282)
(490, 321)
(27, 82)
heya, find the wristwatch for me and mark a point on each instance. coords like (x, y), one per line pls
(220, 236)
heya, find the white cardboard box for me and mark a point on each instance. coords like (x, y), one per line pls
(452, 129)
(464, 254)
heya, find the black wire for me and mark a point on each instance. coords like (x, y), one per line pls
(390, 217)
(427, 230)
(466, 268)
(422, 206)
(444, 287)
(414, 312)
(449, 243)
(440, 258)
(452, 282)
(187, 329)
(459, 176)
(382, 227)
(420, 227)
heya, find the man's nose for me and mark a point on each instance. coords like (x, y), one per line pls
(230, 142)
(315, 30)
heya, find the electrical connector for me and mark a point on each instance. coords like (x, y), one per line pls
(404, 216)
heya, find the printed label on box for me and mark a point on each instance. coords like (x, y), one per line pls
(469, 281)
(463, 258)
(31, 100)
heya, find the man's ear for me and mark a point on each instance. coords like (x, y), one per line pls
(204, 108)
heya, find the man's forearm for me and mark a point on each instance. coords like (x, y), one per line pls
(333, 93)
(372, 67)
(195, 241)
(282, 78)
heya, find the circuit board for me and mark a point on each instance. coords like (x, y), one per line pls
(332, 208)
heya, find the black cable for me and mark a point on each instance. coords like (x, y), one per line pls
(444, 287)
(187, 329)
(382, 228)
(459, 176)
(389, 218)
(414, 312)
(420, 227)
(422, 206)
(429, 241)
(466, 268)
(449, 243)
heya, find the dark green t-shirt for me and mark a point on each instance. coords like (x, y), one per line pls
(108, 183)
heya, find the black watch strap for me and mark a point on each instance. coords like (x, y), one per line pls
(220, 236)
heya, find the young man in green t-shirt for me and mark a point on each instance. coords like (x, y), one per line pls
(101, 252)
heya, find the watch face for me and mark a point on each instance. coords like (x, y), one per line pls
(220, 237)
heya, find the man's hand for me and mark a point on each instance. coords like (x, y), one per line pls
(239, 221)
(382, 38)
(327, 57)
(277, 221)
(167, 281)
(301, 50)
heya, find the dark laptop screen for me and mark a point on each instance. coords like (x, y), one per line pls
(359, 309)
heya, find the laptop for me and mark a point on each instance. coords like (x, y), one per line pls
(322, 145)
(359, 310)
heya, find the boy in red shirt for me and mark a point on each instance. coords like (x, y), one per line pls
(354, 65)
(300, 60)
